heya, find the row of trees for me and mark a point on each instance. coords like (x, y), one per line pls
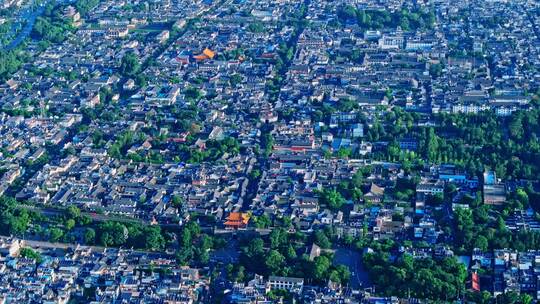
(280, 254)
(52, 26)
(195, 245)
(510, 146)
(267, 140)
(406, 276)
(17, 221)
(84, 6)
(20, 221)
(378, 19)
(14, 221)
(10, 62)
(111, 233)
(478, 227)
(286, 52)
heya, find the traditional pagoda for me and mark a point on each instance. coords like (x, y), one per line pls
(237, 220)
(206, 54)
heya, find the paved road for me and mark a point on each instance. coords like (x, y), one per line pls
(229, 254)
(353, 260)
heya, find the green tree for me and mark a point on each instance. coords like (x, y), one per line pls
(89, 236)
(177, 202)
(112, 233)
(278, 238)
(291, 253)
(481, 242)
(70, 224)
(29, 253)
(344, 273)
(73, 212)
(262, 221)
(333, 199)
(463, 227)
(255, 248)
(322, 240)
(152, 238)
(274, 261)
(334, 277)
(522, 197)
(130, 65)
(320, 268)
(55, 234)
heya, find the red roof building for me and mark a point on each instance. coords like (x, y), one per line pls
(237, 220)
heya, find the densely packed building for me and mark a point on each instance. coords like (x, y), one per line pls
(163, 111)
